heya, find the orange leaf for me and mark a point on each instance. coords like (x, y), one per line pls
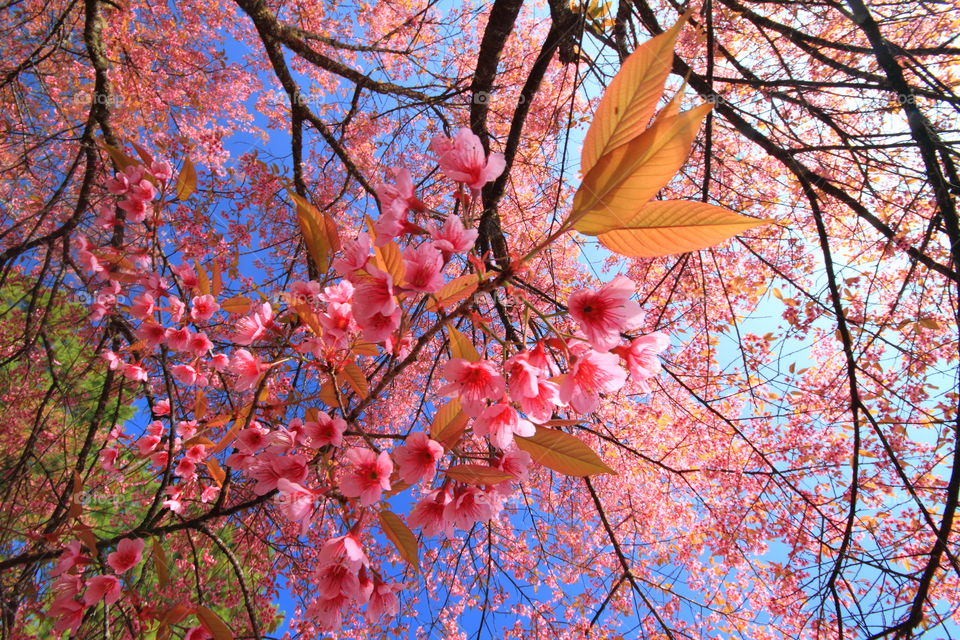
(236, 304)
(461, 347)
(186, 180)
(357, 379)
(119, 157)
(389, 258)
(203, 282)
(314, 227)
(562, 452)
(668, 227)
(401, 537)
(216, 278)
(633, 173)
(454, 291)
(478, 474)
(212, 622)
(328, 395)
(232, 433)
(216, 472)
(163, 573)
(630, 99)
(448, 424)
(207, 442)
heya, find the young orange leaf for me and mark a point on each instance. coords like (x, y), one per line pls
(461, 347)
(216, 471)
(562, 452)
(630, 99)
(160, 564)
(401, 537)
(390, 259)
(236, 304)
(453, 292)
(633, 173)
(669, 227)
(217, 627)
(357, 379)
(186, 180)
(477, 474)
(448, 424)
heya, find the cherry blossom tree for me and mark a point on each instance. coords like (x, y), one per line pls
(413, 319)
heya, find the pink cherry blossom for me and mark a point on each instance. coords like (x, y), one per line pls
(373, 295)
(591, 374)
(151, 333)
(604, 313)
(473, 382)
(254, 326)
(641, 357)
(128, 554)
(356, 254)
(344, 550)
(369, 476)
(429, 513)
(197, 633)
(468, 506)
(379, 328)
(106, 588)
(325, 431)
(417, 458)
(383, 601)
(296, 501)
(462, 159)
(203, 307)
(540, 407)
(269, 469)
(142, 306)
(247, 368)
(423, 268)
(71, 556)
(452, 237)
(500, 422)
(252, 439)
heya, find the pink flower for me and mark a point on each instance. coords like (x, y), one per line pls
(106, 588)
(203, 307)
(369, 477)
(128, 554)
(253, 327)
(345, 550)
(161, 170)
(247, 368)
(429, 513)
(641, 357)
(379, 328)
(209, 494)
(252, 439)
(199, 344)
(142, 306)
(325, 431)
(500, 422)
(604, 313)
(462, 159)
(68, 614)
(108, 458)
(337, 322)
(296, 501)
(473, 382)
(452, 237)
(417, 458)
(270, 469)
(339, 293)
(335, 580)
(469, 506)
(516, 462)
(383, 601)
(592, 373)
(178, 339)
(197, 633)
(134, 372)
(151, 333)
(187, 275)
(356, 254)
(184, 373)
(71, 556)
(423, 268)
(373, 295)
(540, 407)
